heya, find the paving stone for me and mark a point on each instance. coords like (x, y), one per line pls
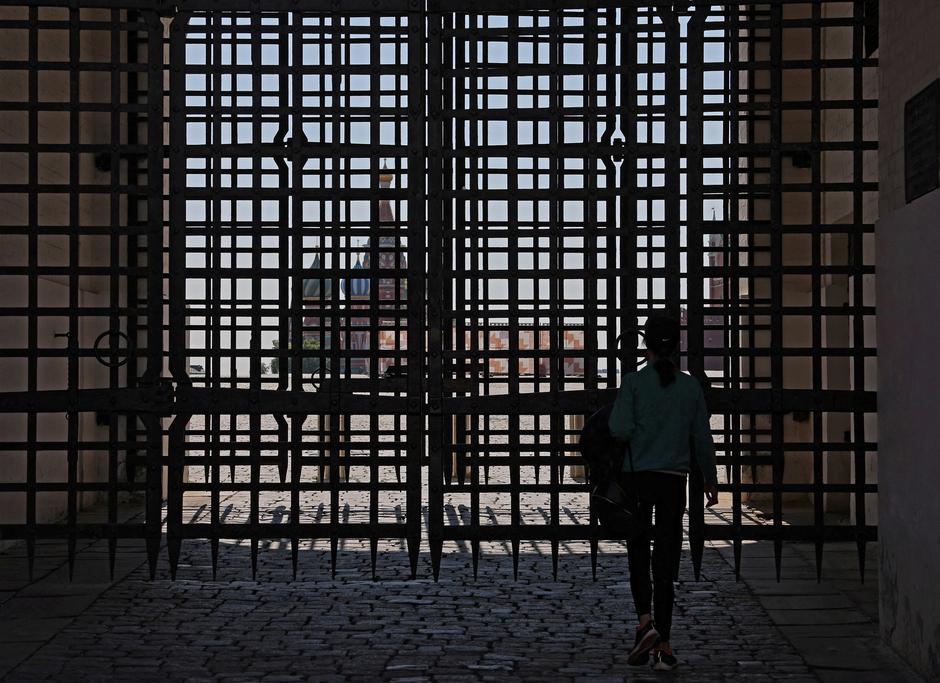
(31, 629)
(804, 602)
(351, 628)
(11, 654)
(791, 617)
(46, 606)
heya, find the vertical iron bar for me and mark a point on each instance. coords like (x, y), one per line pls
(114, 280)
(177, 285)
(816, 224)
(254, 362)
(778, 451)
(673, 156)
(435, 284)
(731, 286)
(154, 287)
(857, 261)
(695, 236)
(295, 320)
(74, 334)
(33, 285)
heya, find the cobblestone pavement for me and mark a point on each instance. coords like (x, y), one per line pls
(352, 628)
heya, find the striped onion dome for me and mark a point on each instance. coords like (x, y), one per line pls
(359, 287)
(318, 287)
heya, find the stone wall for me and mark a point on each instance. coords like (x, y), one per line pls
(908, 244)
(53, 251)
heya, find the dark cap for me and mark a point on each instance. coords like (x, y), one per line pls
(661, 332)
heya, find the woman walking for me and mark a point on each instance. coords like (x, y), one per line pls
(661, 413)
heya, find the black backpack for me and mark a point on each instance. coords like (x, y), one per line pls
(603, 456)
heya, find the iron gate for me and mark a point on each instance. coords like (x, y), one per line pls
(323, 251)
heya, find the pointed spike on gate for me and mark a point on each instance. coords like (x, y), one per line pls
(414, 548)
(374, 550)
(437, 548)
(174, 561)
(594, 558)
(537, 470)
(294, 556)
(697, 550)
(173, 546)
(334, 546)
(737, 558)
(254, 559)
(862, 544)
(283, 456)
(819, 561)
(475, 552)
(515, 559)
(554, 559)
(448, 468)
(561, 474)
(778, 556)
(398, 473)
(232, 472)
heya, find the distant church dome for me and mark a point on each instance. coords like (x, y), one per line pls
(315, 287)
(358, 287)
(391, 255)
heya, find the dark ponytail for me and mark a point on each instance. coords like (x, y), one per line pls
(662, 340)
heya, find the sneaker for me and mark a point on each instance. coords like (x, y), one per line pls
(663, 661)
(646, 637)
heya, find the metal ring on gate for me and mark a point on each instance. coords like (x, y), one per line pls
(312, 380)
(101, 356)
(621, 353)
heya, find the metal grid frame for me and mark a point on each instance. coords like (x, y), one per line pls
(82, 208)
(542, 176)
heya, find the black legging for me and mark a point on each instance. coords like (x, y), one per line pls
(665, 493)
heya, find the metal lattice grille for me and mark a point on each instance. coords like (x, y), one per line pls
(81, 200)
(297, 145)
(334, 250)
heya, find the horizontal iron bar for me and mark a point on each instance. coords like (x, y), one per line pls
(169, 7)
(209, 401)
(127, 400)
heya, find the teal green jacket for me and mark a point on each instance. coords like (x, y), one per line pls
(661, 422)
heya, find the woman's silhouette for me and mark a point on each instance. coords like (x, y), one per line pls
(661, 413)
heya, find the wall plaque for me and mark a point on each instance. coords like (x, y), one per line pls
(922, 142)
